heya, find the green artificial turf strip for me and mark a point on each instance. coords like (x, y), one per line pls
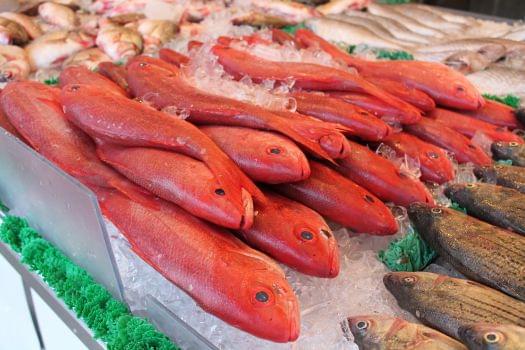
(509, 100)
(408, 253)
(109, 319)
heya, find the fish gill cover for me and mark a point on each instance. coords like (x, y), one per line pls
(509, 100)
(408, 253)
(109, 319)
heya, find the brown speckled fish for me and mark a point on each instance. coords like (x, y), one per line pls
(482, 252)
(509, 151)
(500, 206)
(503, 175)
(374, 332)
(486, 336)
(447, 303)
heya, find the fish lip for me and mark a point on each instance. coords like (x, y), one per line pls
(247, 216)
(389, 282)
(452, 190)
(294, 324)
(333, 259)
(464, 332)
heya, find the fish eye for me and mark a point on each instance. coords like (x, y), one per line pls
(513, 144)
(143, 64)
(491, 337)
(460, 88)
(274, 150)
(471, 185)
(432, 155)
(362, 325)
(436, 210)
(220, 192)
(307, 235)
(262, 296)
(74, 88)
(409, 280)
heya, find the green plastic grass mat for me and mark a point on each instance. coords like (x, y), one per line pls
(292, 29)
(394, 55)
(457, 207)
(504, 162)
(509, 100)
(408, 253)
(51, 81)
(109, 319)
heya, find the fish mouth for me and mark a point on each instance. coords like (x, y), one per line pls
(465, 333)
(390, 281)
(452, 190)
(335, 145)
(247, 217)
(294, 323)
(333, 259)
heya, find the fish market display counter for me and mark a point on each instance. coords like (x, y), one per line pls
(67, 214)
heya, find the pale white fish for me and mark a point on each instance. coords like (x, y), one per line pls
(89, 58)
(291, 12)
(499, 81)
(119, 43)
(337, 31)
(444, 14)
(516, 33)
(117, 7)
(427, 18)
(485, 29)
(14, 64)
(407, 21)
(338, 6)
(59, 16)
(32, 28)
(491, 49)
(88, 22)
(396, 28)
(155, 33)
(372, 26)
(12, 33)
(467, 61)
(52, 49)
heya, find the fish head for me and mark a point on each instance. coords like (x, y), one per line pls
(423, 215)
(303, 238)
(269, 307)
(486, 173)
(504, 150)
(485, 336)
(369, 329)
(408, 286)
(460, 193)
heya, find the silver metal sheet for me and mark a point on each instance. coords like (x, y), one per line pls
(64, 211)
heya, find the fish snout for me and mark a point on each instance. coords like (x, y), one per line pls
(467, 334)
(418, 208)
(335, 145)
(452, 191)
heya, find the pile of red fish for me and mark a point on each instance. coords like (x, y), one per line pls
(174, 187)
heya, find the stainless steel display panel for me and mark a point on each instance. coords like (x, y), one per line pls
(64, 211)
